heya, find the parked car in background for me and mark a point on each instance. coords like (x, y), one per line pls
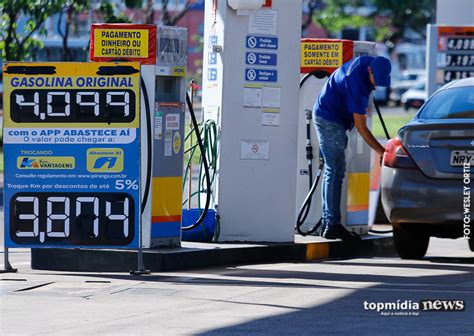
(415, 97)
(381, 95)
(407, 80)
(422, 175)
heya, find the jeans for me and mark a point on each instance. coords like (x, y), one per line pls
(332, 143)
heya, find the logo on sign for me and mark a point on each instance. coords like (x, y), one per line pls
(29, 163)
(176, 142)
(105, 163)
(251, 75)
(252, 42)
(251, 58)
(179, 71)
(105, 160)
(46, 162)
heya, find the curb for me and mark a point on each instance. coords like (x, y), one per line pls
(201, 255)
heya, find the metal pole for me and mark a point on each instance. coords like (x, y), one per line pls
(7, 267)
(140, 266)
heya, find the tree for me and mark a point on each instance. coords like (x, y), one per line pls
(17, 45)
(69, 8)
(335, 15)
(312, 6)
(171, 20)
(108, 13)
(406, 14)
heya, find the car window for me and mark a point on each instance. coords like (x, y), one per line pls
(451, 103)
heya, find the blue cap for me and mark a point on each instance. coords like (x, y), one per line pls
(381, 69)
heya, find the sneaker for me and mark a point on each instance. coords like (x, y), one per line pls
(339, 231)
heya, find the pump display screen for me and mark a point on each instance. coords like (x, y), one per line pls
(72, 154)
(59, 106)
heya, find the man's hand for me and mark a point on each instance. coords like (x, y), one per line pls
(360, 123)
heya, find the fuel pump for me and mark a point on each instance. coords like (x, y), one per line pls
(162, 52)
(321, 57)
(250, 89)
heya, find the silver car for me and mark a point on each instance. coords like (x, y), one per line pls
(427, 169)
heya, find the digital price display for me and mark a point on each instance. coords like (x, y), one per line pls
(58, 106)
(72, 154)
(455, 53)
(72, 218)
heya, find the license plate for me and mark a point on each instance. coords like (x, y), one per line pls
(458, 158)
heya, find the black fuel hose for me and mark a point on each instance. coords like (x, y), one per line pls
(148, 145)
(304, 210)
(306, 206)
(206, 166)
(377, 108)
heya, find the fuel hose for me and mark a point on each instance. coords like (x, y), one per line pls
(205, 164)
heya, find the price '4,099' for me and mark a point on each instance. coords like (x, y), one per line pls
(91, 106)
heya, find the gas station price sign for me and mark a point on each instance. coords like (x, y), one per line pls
(72, 154)
(455, 53)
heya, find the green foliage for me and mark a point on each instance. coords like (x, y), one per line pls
(413, 14)
(17, 45)
(108, 13)
(335, 15)
(398, 15)
(134, 3)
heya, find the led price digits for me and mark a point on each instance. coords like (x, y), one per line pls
(72, 218)
(460, 43)
(452, 75)
(73, 106)
(455, 60)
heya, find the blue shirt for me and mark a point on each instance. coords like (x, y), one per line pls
(346, 92)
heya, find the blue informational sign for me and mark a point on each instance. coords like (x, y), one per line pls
(262, 42)
(255, 58)
(212, 74)
(261, 75)
(72, 155)
(212, 58)
(213, 40)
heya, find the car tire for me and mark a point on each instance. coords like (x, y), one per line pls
(471, 244)
(410, 244)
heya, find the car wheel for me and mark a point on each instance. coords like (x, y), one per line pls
(410, 244)
(406, 107)
(471, 244)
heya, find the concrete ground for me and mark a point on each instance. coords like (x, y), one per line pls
(313, 298)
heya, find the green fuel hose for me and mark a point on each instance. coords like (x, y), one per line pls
(207, 141)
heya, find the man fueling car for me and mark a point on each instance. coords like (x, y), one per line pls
(343, 104)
